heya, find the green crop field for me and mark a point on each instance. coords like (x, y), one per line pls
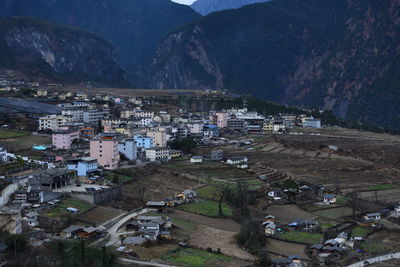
(309, 238)
(207, 208)
(360, 231)
(60, 208)
(334, 213)
(6, 134)
(381, 187)
(196, 258)
(375, 247)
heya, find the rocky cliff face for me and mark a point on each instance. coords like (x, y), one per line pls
(134, 27)
(206, 7)
(332, 54)
(51, 51)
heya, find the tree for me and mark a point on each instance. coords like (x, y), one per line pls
(185, 144)
(251, 236)
(79, 254)
(115, 178)
(15, 243)
(353, 202)
(222, 189)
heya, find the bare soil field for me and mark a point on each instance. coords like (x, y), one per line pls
(210, 237)
(391, 238)
(153, 253)
(156, 184)
(285, 248)
(222, 224)
(99, 215)
(288, 213)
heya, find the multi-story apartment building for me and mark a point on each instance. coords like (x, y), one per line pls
(128, 147)
(53, 122)
(94, 115)
(75, 114)
(63, 138)
(159, 137)
(82, 166)
(143, 142)
(104, 148)
(158, 153)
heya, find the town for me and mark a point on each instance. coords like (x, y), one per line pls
(206, 177)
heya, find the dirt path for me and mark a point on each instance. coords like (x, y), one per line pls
(209, 237)
(222, 224)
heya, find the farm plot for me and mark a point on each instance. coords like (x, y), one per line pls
(158, 185)
(288, 213)
(60, 208)
(99, 215)
(388, 196)
(196, 258)
(207, 208)
(302, 237)
(334, 213)
(210, 237)
(285, 248)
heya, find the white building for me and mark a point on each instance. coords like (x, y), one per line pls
(236, 160)
(53, 122)
(94, 115)
(195, 127)
(157, 153)
(3, 155)
(75, 114)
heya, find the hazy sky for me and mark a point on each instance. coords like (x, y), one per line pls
(186, 2)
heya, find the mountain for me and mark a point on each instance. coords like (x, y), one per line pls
(206, 7)
(49, 51)
(133, 26)
(331, 54)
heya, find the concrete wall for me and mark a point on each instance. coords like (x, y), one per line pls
(99, 197)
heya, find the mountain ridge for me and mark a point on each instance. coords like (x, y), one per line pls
(324, 54)
(206, 7)
(49, 51)
(133, 26)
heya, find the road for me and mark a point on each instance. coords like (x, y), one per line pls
(113, 230)
(9, 190)
(377, 259)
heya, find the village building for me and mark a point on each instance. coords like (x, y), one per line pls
(104, 148)
(128, 148)
(157, 153)
(83, 166)
(63, 138)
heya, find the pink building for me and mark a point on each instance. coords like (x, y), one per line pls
(104, 148)
(221, 119)
(63, 138)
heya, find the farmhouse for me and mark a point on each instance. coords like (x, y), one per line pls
(236, 160)
(330, 199)
(372, 216)
(196, 159)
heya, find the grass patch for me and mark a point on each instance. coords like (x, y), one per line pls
(121, 178)
(207, 192)
(207, 208)
(342, 201)
(359, 231)
(195, 258)
(60, 208)
(334, 213)
(296, 236)
(6, 134)
(375, 247)
(381, 187)
(184, 224)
